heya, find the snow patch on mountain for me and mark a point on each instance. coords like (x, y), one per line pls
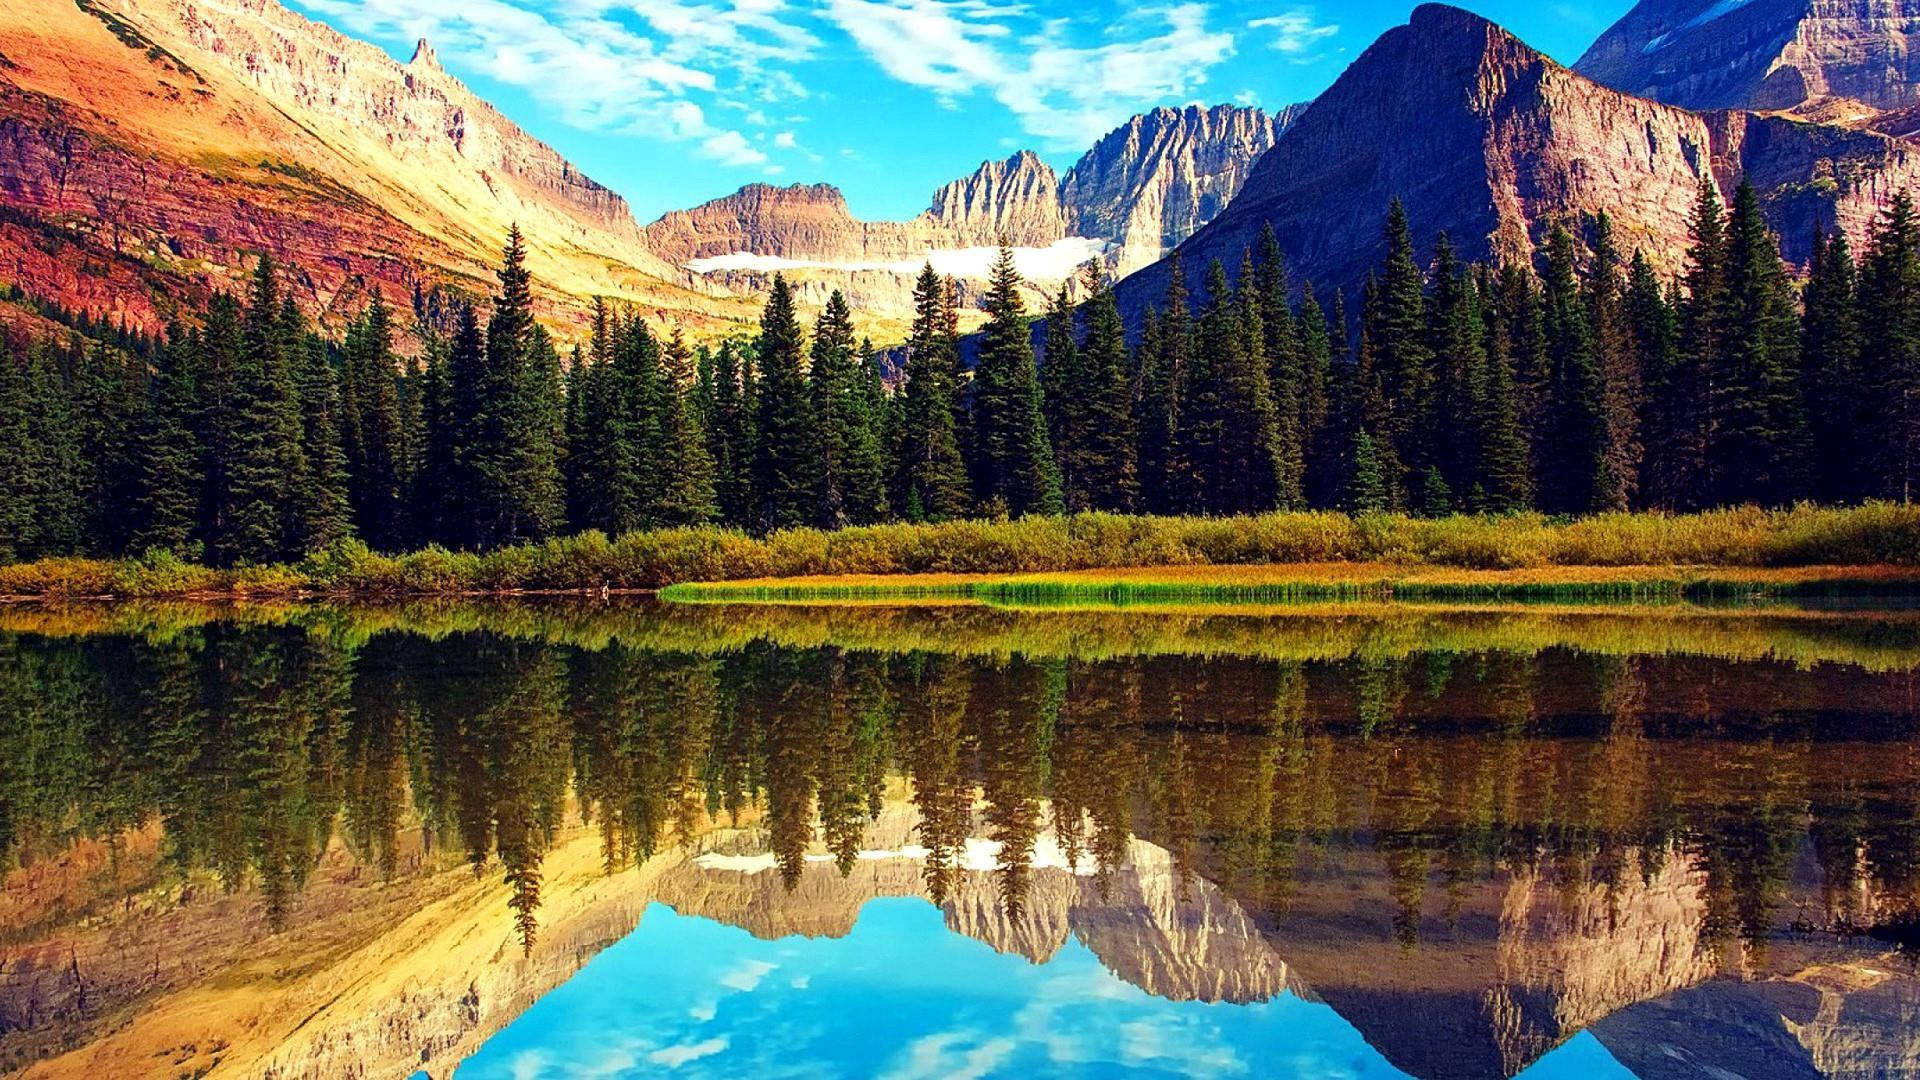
(1055, 262)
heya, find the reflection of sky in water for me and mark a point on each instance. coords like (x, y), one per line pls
(903, 997)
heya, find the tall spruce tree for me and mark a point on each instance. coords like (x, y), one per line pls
(933, 483)
(686, 495)
(1756, 441)
(847, 436)
(1890, 350)
(1571, 464)
(785, 470)
(1839, 402)
(370, 428)
(1503, 461)
(265, 467)
(1013, 459)
(169, 507)
(1677, 415)
(326, 515)
(1161, 371)
(1615, 393)
(1402, 362)
(1098, 463)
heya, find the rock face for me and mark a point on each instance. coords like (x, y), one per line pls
(1152, 183)
(1141, 190)
(173, 139)
(1763, 54)
(1492, 142)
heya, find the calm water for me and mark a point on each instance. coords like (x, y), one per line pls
(523, 841)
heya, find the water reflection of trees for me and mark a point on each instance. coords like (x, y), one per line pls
(255, 747)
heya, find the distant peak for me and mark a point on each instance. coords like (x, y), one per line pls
(424, 56)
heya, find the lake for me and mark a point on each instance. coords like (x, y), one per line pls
(529, 839)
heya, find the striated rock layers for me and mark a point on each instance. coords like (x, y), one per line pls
(148, 148)
(1492, 142)
(1823, 55)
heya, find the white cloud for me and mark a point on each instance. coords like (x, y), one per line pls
(1246, 97)
(639, 67)
(1061, 91)
(1295, 32)
(747, 976)
(952, 1055)
(785, 140)
(731, 148)
(675, 1056)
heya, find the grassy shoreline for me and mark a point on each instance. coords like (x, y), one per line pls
(1870, 550)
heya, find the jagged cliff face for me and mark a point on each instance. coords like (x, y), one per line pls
(1138, 192)
(1763, 54)
(149, 147)
(1154, 182)
(1492, 142)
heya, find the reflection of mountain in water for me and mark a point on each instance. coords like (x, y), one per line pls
(1177, 939)
(240, 848)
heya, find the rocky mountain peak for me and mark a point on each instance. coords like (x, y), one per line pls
(424, 56)
(1016, 201)
(1763, 54)
(1493, 142)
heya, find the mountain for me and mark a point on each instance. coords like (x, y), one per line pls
(148, 148)
(1492, 142)
(1139, 191)
(1825, 57)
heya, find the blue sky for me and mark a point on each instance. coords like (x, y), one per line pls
(672, 102)
(904, 998)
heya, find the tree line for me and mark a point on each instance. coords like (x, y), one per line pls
(1584, 384)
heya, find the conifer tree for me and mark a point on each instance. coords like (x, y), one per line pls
(1013, 458)
(1162, 369)
(1059, 360)
(513, 464)
(1281, 349)
(785, 474)
(265, 467)
(1502, 465)
(728, 420)
(1571, 465)
(370, 428)
(1839, 402)
(1615, 393)
(1098, 463)
(170, 454)
(19, 487)
(1458, 344)
(1890, 349)
(1316, 372)
(1676, 416)
(1756, 438)
(846, 433)
(686, 496)
(1402, 362)
(326, 514)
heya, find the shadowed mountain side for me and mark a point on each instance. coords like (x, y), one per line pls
(1806, 55)
(1492, 142)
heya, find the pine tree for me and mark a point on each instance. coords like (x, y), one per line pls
(785, 476)
(265, 467)
(728, 420)
(1502, 466)
(1890, 349)
(1676, 417)
(327, 516)
(1458, 344)
(1059, 370)
(1615, 403)
(1285, 372)
(1013, 458)
(1571, 465)
(1158, 386)
(19, 486)
(845, 439)
(512, 459)
(1839, 403)
(686, 496)
(1099, 464)
(1402, 362)
(1757, 427)
(170, 453)
(370, 428)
